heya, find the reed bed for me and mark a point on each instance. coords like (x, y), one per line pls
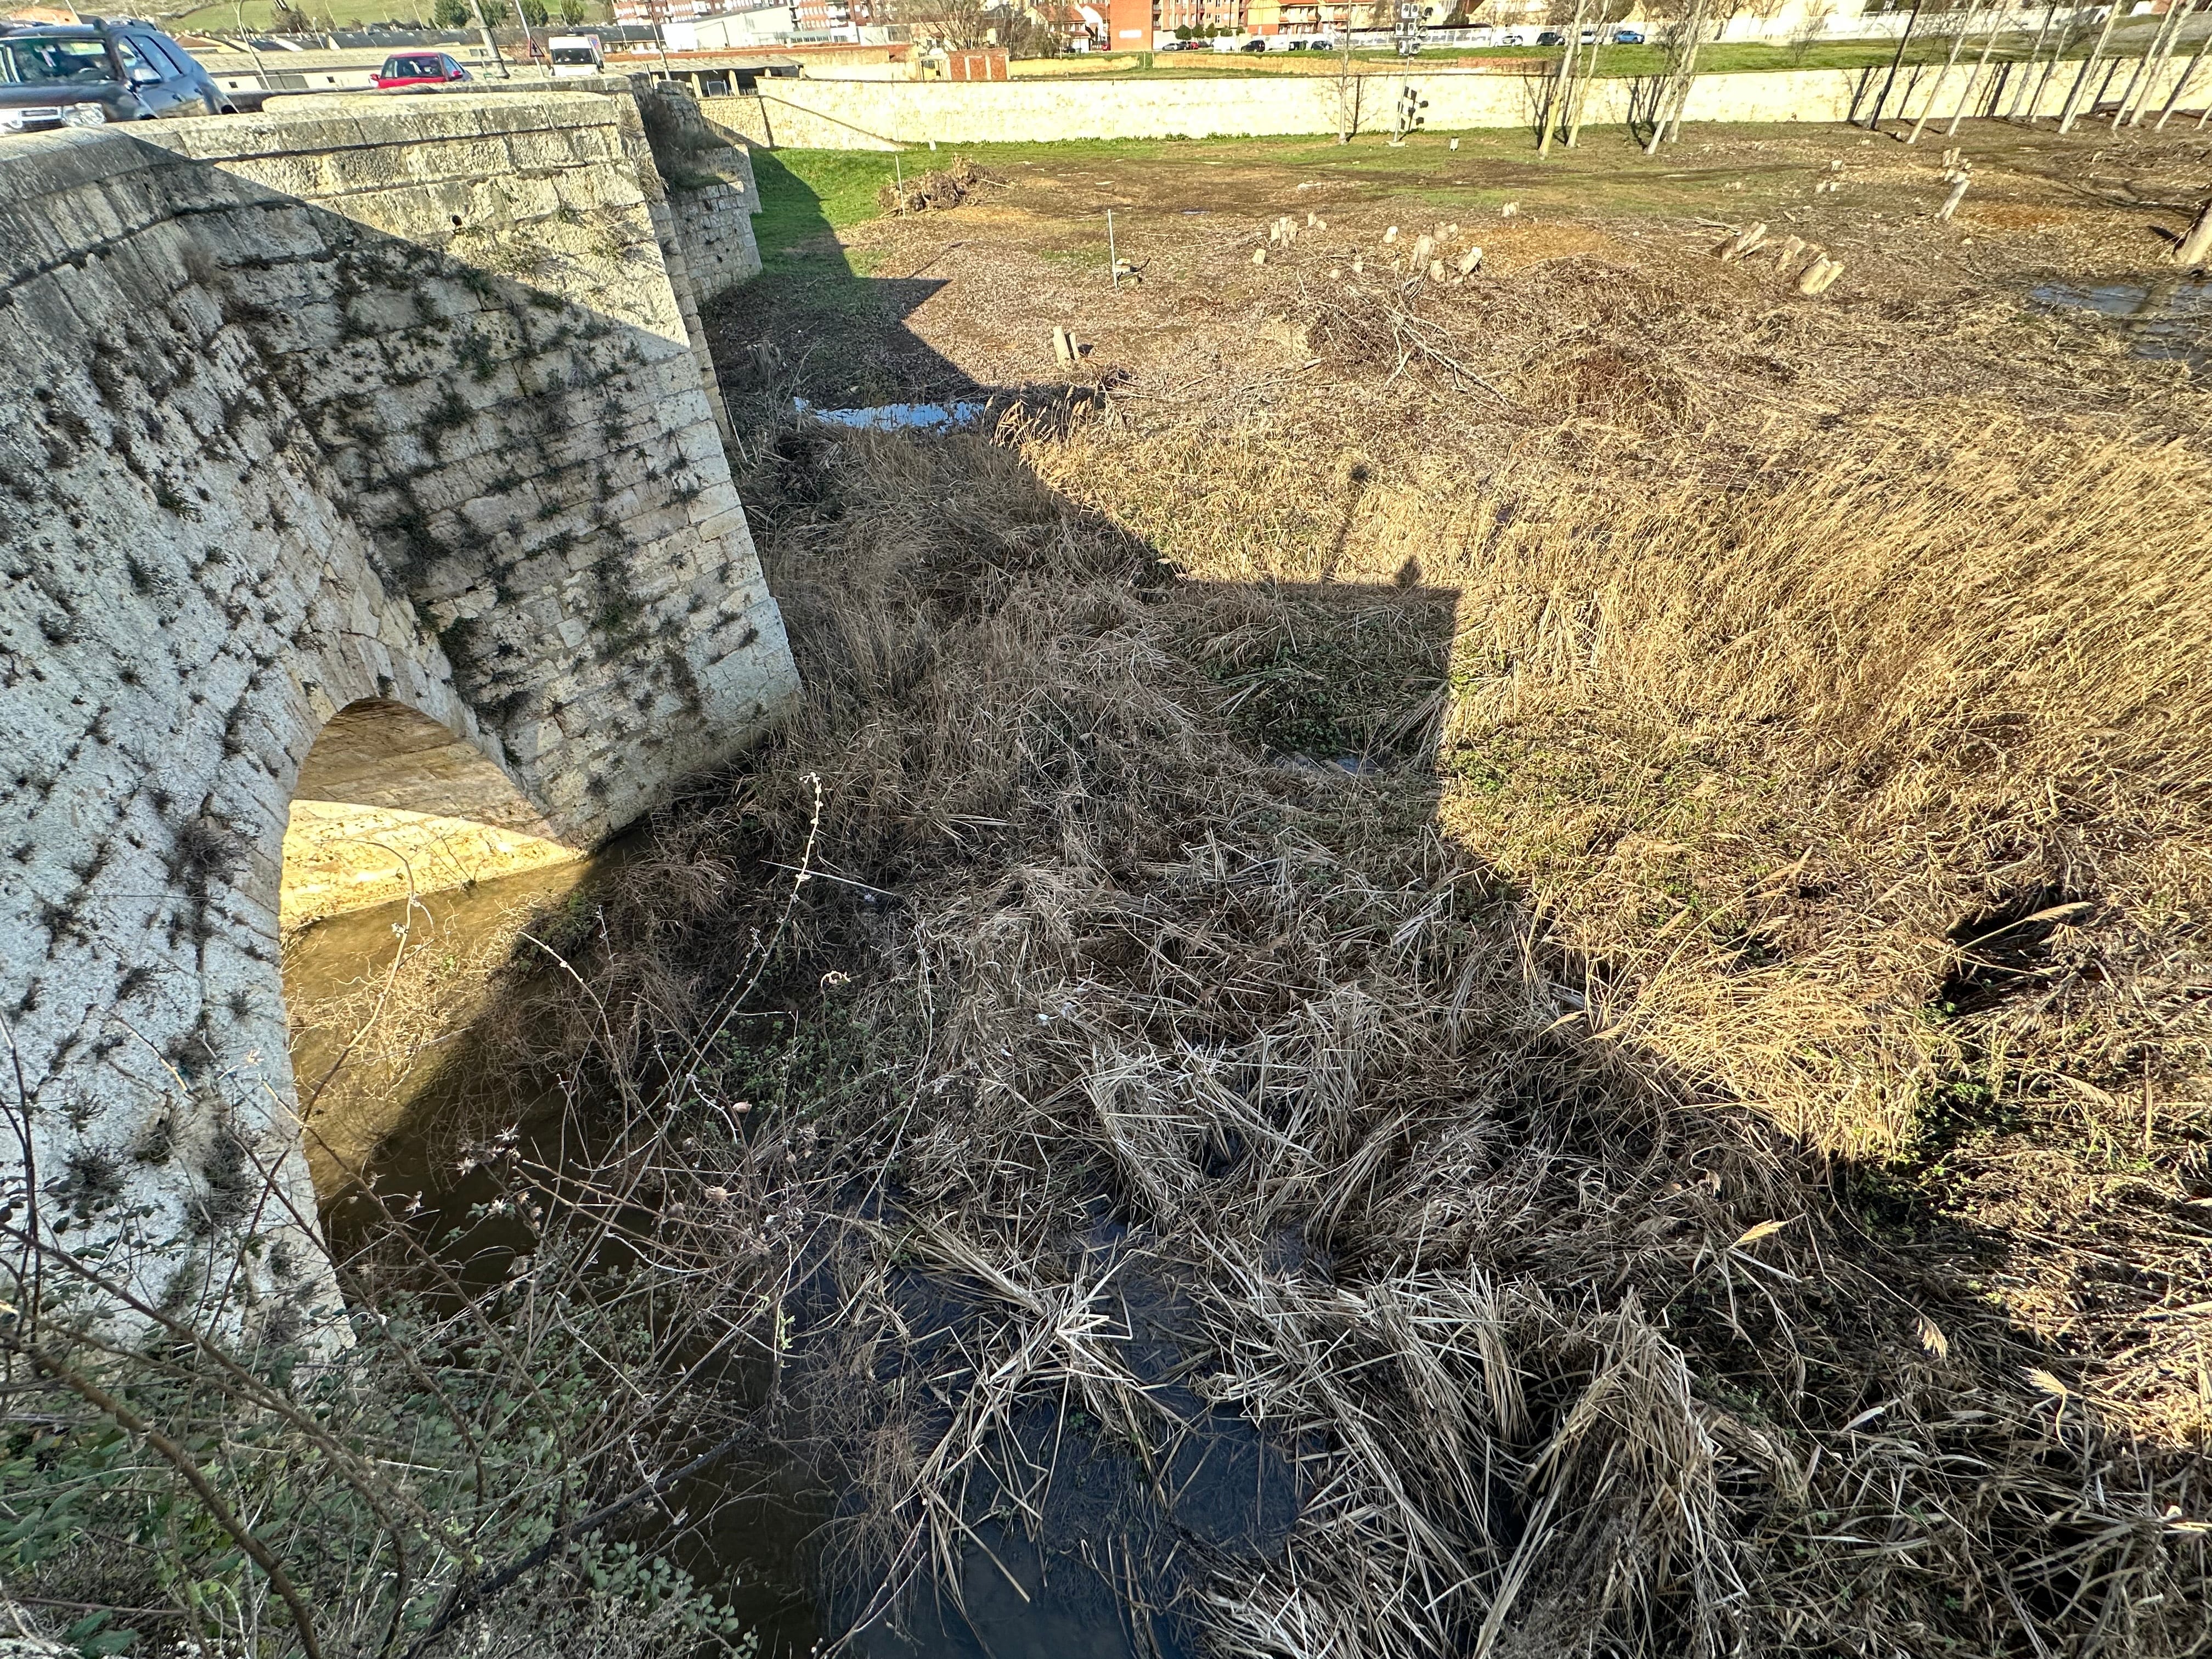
(1576, 989)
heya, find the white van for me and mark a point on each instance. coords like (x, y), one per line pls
(576, 54)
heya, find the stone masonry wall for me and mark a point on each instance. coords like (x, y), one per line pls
(351, 402)
(710, 187)
(717, 228)
(831, 114)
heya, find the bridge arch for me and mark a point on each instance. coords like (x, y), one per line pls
(344, 467)
(390, 802)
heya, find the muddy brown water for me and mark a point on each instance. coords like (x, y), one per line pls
(382, 1004)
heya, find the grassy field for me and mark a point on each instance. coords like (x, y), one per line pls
(1611, 60)
(1623, 60)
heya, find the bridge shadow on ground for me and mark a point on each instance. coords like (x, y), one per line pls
(1333, 1046)
(814, 324)
(1265, 1013)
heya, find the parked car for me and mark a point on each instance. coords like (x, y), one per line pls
(418, 69)
(1627, 38)
(86, 75)
(1181, 46)
(1255, 44)
(1512, 38)
(570, 55)
(1551, 37)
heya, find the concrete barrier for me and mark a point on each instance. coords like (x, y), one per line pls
(808, 114)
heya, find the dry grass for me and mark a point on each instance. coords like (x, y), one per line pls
(1690, 1142)
(1592, 1086)
(935, 190)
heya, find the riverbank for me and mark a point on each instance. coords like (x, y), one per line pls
(1452, 952)
(1581, 858)
(884, 115)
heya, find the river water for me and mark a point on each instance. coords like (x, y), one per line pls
(2170, 319)
(384, 1003)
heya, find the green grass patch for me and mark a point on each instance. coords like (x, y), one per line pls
(807, 192)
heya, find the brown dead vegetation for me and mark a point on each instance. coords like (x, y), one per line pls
(1603, 869)
(936, 190)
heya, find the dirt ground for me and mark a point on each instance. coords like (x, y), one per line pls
(930, 305)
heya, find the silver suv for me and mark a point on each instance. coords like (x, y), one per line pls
(98, 71)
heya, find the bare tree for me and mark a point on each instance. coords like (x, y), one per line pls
(1812, 24)
(1965, 22)
(1607, 15)
(2188, 74)
(2073, 110)
(960, 25)
(1681, 70)
(1348, 87)
(2027, 67)
(2154, 59)
(1973, 81)
(1555, 106)
(1896, 62)
(2058, 45)
(1764, 10)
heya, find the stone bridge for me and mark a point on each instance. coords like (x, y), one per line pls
(361, 472)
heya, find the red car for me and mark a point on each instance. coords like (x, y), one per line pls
(418, 69)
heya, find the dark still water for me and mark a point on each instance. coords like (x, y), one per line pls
(2170, 319)
(386, 1008)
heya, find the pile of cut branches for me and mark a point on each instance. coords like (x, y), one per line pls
(940, 188)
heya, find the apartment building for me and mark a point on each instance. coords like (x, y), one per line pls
(1137, 23)
(661, 11)
(709, 26)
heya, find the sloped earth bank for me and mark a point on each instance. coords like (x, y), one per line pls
(1506, 966)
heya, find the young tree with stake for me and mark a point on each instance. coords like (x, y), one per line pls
(1950, 61)
(1555, 107)
(1981, 64)
(2067, 115)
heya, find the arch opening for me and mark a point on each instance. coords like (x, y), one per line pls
(389, 804)
(419, 860)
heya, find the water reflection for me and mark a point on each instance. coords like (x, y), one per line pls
(897, 418)
(385, 1004)
(381, 1002)
(2169, 319)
